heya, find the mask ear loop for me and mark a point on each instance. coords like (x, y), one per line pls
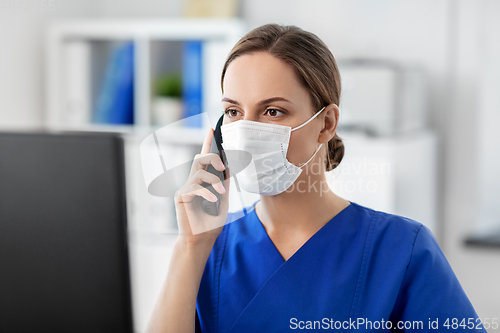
(304, 124)
(303, 165)
(310, 119)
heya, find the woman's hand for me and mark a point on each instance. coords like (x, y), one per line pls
(195, 226)
(176, 306)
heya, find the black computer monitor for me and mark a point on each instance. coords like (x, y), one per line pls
(63, 234)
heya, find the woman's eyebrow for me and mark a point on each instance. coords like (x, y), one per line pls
(229, 100)
(274, 99)
(265, 101)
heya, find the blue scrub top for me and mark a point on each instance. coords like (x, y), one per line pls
(364, 270)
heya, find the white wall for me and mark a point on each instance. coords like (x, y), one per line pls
(468, 175)
(488, 153)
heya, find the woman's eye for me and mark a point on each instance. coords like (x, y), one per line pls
(274, 112)
(231, 112)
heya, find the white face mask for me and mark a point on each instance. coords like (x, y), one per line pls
(270, 172)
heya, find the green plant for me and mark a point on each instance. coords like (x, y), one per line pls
(169, 85)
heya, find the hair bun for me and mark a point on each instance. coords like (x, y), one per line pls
(335, 152)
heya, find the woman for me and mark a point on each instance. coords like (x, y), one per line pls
(303, 258)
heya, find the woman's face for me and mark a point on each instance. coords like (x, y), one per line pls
(261, 87)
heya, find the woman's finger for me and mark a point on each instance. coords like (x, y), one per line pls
(202, 176)
(188, 193)
(205, 149)
(201, 161)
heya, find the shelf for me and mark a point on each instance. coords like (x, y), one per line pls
(484, 240)
(171, 29)
(175, 135)
(77, 57)
(184, 135)
(125, 129)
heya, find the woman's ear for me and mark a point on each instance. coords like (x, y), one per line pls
(331, 120)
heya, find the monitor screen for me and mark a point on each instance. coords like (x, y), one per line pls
(63, 234)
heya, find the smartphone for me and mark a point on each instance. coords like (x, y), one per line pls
(209, 207)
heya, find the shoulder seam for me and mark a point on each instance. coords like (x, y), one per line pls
(411, 257)
(388, 214)
(413, 246)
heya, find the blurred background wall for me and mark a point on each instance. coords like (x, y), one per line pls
(456, 42)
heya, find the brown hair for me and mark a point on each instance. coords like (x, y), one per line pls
(313, 62)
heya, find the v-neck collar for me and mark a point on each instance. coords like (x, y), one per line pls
(310, 240)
